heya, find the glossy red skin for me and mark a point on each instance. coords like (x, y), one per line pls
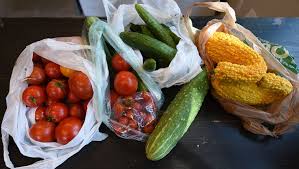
(56, 112)
(113, 97)
(57, 89)
(85, 104)
(119, 64)
(125, 83)
(132, 124)
(36, 57)
(37, 76)
(68, 129)
(123, 120)
(148, 128)
(40, 113)
(38, 64)
(50, 101)
(43, 131)
(34, 96)
(53, 70)
(118, 110)
(76, 110)
(72, 98)
(80, 85)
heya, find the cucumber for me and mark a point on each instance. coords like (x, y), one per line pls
(146, 31)
(154, 26)
(175, 38)
(135, 28)
(149, 45)
(149, 65)
(177, 118)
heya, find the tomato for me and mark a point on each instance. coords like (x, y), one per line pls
(119, 130)
(40, 113)
(43, 131)
(113, 97)
(129, 114)
(118, 110)
(67, 129)
(85, 104)
(119, 64)
(50, 101)
(149, 118)
(56, 89)
(56, 112)
(137, 106)
(123, 120)
(36, 57)
(34, 96)
(72, 98)
(148, 128)
(80, 85)
(39, 65)
(125, 83)
(53, 70)
(77, 110)
(37, 76)
(45, 61)
(66, 71)
(133, 124)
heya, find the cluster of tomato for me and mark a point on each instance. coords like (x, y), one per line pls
(132, 110)
(61, 96)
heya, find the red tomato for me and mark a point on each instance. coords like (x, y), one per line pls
(56, 89)
(43, 131)
(50, 101)
(45, 61)
(72, 98)
(56, 112)
(80, 85)
(119, 64)
(53, 70)
(85, 104)
(133, 124)
(123, 120)
(34, 96)
(119, 130)
(129, 114)
(35, 57)
(137, 106)
(37, 76)
(149, 118)
(40, 113)
(113, 97)
(125, 83)
(77, 110)
(39, 65)
(118, 110)
(67, 129)
(148, 128)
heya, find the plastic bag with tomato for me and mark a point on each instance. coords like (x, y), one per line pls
(19, 118)
(132, 111)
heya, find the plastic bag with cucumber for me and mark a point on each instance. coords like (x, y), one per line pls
(133, 98)
(157, 30)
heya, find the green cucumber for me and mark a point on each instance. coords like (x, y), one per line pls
(135, 28)
(178, 117)
(175, 38)
(146, 31)
(154, 26)
(149, 45)
(149, 65)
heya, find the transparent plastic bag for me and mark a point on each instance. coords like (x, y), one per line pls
(186, 63)
(132, 110)
(68, 52)
(283, 114)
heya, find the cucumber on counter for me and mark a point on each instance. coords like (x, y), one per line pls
(178, 117)
(154, 26)
(150, 45)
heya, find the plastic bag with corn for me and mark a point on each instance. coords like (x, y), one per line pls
(247, 79)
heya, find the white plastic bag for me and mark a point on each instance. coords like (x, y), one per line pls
(99, 33)
(186, 63)
(16, 123)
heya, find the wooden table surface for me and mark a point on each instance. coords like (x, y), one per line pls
(215, 140)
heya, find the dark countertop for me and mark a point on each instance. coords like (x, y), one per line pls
(215, 140)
